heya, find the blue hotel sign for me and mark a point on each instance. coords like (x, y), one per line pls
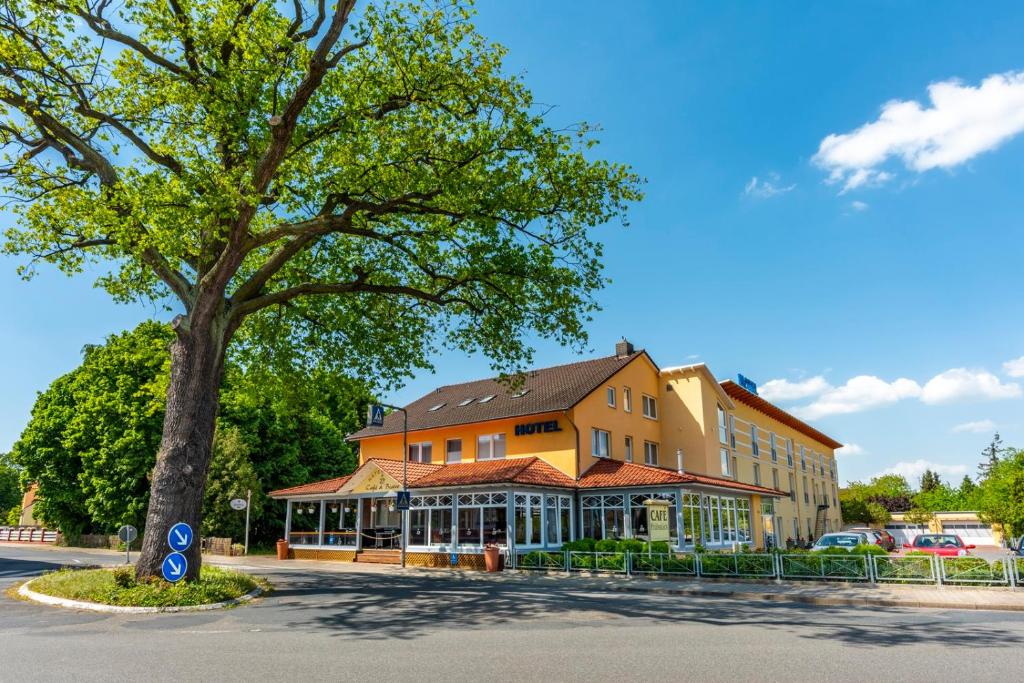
(747, 383)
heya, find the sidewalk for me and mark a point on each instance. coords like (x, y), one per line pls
(830, 594)
(818, 593)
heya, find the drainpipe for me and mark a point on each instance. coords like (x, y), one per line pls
(578, 518)
(679, 461)
(577, 430)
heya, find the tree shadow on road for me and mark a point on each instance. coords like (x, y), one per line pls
(408, 606)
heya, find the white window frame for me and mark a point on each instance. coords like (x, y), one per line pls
(757, 474)
(723, 426)
(447, 453)
(418, 447)
(789, 453)
(755, 449)
(650, 407)
(609, 393)
(491, 440)
(726, 462)
(628, 445)
(775, 452)
(627, 399)
(650, 448)
(596, 437)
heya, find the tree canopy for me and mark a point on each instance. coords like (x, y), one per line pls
(1001, 494)
(93, 436)
(10, 489)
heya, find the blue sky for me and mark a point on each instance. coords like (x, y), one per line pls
(888, 254)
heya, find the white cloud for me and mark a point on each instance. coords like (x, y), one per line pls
(850, 449)
(859, 206)
(975, 427)
(1015, 367)
(913, 470)
(768, 187)
(961, 122)
(961, 383)
(784, 390)
(859, 393)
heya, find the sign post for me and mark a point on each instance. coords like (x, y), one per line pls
(657, 522)
(127, 534)
(375, 418)
(240, 504)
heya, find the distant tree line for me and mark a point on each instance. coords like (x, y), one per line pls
(92, 440)
(997, 496)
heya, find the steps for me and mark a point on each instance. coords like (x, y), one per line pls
(379, 556)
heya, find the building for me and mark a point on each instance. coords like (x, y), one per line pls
(571, 452)
(964, 524)
(28, 502)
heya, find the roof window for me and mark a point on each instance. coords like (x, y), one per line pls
(465, 402)
(437, 407)
(521, 393)
(485, 399)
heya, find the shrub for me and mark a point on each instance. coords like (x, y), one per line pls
(607, 545)
(656, 547)
(124, 577)
(698, 548)
(581, 545)
(633, 545)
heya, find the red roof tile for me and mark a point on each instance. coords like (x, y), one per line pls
(606, 474)
(533, 471)
(393, 468)
(325, 486)
(738, 393)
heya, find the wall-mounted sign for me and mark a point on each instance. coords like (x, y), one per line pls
(747, 383)
(537, 427)
(657, 519)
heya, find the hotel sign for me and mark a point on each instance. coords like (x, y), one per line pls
(545, 426)
(657, 519)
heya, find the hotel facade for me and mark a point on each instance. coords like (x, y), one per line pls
(572, 452)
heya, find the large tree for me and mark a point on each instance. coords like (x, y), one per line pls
(307, 181)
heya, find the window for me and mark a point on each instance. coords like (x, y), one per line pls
(521, 393)
(610, 392)
(723, 426)
(691, 519)
(430, 520)
(789, 452)
(490, 447)
(600, 443)
(735, 469)
(627, 399)
(807, 498)
(420, 452)
(792, 487)
(650, 453)
(465, 402)
(487, 399)
(650, 407)
(629, 449)
(340, 522)
(732, 431)
(803, 459)
(557, 519)
(775, 478)
(754, 448)
(528, 518)
(436, 407)
(603, 516)
(726, 467)
(453, 450)
(835, 496)
(775, 453)
(483, 518)
(757, 474)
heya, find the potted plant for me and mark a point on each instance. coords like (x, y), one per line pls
(492, 557)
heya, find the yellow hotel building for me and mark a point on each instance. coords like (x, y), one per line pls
(573, 452)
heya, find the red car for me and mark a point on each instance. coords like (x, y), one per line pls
(943, 545)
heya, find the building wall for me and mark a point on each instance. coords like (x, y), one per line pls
(593, 412)
(557, 448)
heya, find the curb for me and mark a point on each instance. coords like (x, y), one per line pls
(27, 592)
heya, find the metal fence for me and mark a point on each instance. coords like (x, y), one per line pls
(885, 569)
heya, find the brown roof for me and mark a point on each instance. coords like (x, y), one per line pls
(532, 470)
(325, 486)
(546, 390)
(393, 468)
(738, 393)
(607, 474)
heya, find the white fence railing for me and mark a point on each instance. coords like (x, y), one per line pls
(885, 569)
(27, 534)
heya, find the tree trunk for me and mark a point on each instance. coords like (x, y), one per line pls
(179, 478)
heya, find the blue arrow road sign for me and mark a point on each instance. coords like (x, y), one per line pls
(180, 537)
(376, 416)
(174, 567)
(402, 501)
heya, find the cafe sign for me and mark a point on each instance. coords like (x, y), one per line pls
(657, 519)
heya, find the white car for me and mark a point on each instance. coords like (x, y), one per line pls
(845, 539)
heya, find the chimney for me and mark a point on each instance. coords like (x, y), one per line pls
(679, 461)
(623, 348)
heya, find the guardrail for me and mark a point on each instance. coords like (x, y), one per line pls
(885, 569)
(27, 534)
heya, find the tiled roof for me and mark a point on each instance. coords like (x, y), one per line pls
(325, 486)
(532, 471)
(546, 390)
(393, 468)
(607, 474)
(738, 393)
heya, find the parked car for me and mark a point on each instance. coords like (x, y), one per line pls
(845, 539)
(882, 537)
(944, 545)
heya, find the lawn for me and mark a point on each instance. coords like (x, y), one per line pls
(119, 587)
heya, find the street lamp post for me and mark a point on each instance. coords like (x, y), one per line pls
(376, 419)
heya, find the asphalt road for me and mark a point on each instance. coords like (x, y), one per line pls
(387, 626)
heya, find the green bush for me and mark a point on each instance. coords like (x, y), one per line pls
(633, 545)
(580, 545)
(124, 577)
(607, 545)
(656, 547)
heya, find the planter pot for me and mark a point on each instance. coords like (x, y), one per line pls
(492, 558)
(282, 549)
